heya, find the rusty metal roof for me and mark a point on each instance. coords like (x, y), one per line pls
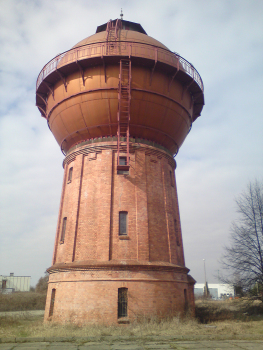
(126, 25)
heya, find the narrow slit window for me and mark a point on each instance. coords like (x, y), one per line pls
(122, 302)
(63, 232)
(52, 302)
(171, 178)
(123, 229)
(185, 300)
(70, 174)
(177, 234)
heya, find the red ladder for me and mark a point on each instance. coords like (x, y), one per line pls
(124, 99)
(112, 35)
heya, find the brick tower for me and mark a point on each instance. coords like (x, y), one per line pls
(120, 105)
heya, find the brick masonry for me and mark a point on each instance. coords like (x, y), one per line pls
(93, 260)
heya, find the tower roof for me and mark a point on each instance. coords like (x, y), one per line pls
(130, 31)
(127, 25)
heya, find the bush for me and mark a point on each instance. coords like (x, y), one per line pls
(42, 284)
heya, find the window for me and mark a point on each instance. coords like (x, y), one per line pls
(123, 161)
(123, 230)
(122, 302)
(52, 302)
(171, 178)
(122, 167)
(63, 230)
(70, 174)
(177, 235)
(185, 301)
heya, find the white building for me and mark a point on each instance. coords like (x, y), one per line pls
(215, 290)
(11, 283)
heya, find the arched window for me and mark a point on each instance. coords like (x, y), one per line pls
(122, 302)
(63, 231)
(52, 302)
(70, 174)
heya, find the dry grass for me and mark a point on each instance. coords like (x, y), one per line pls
(25, 326)
(246, 320)
(243, 309)
(22, 301)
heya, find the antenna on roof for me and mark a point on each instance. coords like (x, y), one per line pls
(121, 15)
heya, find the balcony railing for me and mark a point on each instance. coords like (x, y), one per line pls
(120, 48)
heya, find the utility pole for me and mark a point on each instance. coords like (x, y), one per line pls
(205, 291)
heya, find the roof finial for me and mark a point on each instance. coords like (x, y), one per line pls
(121, 15)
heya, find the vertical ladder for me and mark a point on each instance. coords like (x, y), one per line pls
(124, 99)
(112, 35)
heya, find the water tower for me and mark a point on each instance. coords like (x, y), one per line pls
(120, 105)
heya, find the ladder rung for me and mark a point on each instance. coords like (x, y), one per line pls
(124, 97)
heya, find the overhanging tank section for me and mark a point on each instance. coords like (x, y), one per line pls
(79, 91)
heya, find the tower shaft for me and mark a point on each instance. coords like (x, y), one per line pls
(118, 231)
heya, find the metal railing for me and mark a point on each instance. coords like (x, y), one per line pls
(120, 48)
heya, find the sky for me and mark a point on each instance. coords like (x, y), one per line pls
(223, 39)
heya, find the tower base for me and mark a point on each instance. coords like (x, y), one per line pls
(91, 293)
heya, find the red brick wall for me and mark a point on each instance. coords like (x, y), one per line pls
(92, 202)
(91, 296)
(95, 196)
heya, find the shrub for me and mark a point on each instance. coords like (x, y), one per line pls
(42, 284)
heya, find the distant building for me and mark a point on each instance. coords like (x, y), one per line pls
(215, 290)
(11, 283)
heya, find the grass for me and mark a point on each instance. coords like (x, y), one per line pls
(215, 319)
(26, 326)
(22, 301)
(244, 309)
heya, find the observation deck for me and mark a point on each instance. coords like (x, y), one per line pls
(97, 53)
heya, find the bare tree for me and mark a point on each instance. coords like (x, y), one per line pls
(42, 284)
(243, 258)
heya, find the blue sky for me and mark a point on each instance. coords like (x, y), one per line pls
(223, 39)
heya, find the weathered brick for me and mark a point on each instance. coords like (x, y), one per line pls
(94, 261)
